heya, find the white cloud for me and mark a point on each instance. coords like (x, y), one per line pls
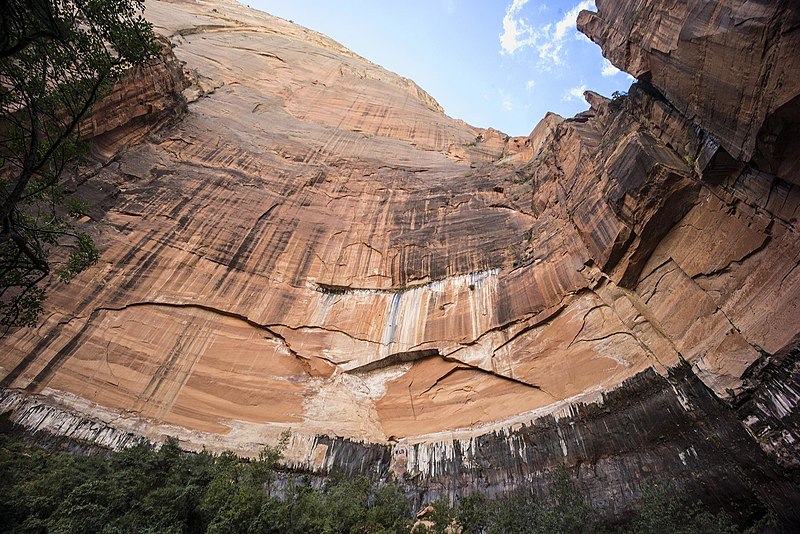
(548, 40)
(449, 6)
(516, 32)
(576, 93)
(570, 17)
(551, 52)
(608, 69)
(506, 102)
(530, 84)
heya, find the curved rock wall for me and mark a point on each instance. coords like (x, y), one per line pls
(315, 246)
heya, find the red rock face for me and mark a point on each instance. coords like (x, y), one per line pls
(730, 66)
(148, 98)
(316, 246)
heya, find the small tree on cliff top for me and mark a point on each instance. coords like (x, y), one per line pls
(57, 57)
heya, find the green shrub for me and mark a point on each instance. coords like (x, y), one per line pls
(663, 509)
(166, 490)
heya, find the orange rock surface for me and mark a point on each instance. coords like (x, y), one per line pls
(314, 245)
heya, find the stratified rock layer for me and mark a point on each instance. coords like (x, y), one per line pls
(315, 246)
(730, 65)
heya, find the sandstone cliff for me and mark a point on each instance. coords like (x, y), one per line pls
(315, 246)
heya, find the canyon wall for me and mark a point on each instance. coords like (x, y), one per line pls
(316, 246)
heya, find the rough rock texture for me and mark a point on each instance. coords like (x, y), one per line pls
(730, 65)
(316, 246)
(144, 101)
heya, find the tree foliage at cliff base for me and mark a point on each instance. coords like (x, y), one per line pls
(142, 489)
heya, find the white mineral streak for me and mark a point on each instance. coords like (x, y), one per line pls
(36, 415)
(63, 414)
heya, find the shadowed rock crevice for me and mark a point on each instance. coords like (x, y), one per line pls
(395, 359)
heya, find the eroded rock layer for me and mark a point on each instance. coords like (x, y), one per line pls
(315, 246)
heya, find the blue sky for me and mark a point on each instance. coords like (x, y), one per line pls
(498, 63)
